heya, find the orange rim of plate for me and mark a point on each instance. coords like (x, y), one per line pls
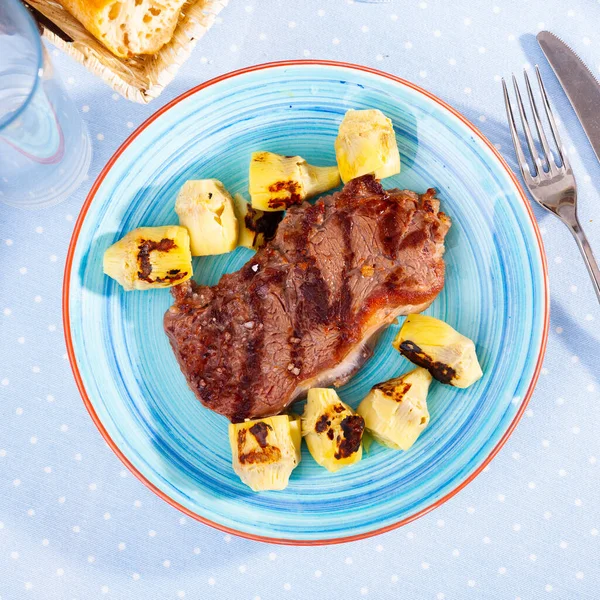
(73, 360)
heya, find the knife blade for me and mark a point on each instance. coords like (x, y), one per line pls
(578, 82)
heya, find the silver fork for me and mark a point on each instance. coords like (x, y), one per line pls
(554, 189)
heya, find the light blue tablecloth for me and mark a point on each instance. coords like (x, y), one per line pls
(75, 524)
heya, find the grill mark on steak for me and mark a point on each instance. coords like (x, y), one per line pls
(413, 239)
(302, 311)
(401, 286)
(315, 293)
(344, 303)
(390, 230)
(360, 188)
(313, 306)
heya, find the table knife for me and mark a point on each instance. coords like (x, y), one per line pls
(580, 85)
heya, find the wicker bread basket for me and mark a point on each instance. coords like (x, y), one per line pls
(140, 78)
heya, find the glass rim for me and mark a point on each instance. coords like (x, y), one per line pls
(37, 41)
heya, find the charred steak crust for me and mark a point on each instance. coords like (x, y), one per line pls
(306, 303)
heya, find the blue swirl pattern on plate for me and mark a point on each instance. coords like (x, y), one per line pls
(495, 294)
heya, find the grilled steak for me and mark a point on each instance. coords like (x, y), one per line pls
(301, 312)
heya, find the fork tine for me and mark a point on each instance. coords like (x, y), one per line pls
(526, 129)
(548, 156)
(523, 164)
(561, 150)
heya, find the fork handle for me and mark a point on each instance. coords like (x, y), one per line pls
(588, 255)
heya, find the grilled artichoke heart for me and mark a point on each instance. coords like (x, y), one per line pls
(150, 257)
(266, 451)
(366, 144)
(257, 227)
(332, 431)
(432, 344)
(205, 208)
(278, 182)
(395, 412)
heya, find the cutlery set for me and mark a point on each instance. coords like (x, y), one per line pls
(552, 184)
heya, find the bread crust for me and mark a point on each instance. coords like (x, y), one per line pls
(128, 27)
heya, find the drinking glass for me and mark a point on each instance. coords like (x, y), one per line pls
(45, 149)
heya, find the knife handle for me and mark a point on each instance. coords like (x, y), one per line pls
(588, 255)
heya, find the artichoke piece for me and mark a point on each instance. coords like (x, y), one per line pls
(150, 257)
(430, 343)
(205, 208)
(278, 182)
(366, 144)
(395, 412)
(257, 227)
(332, 431)
(296, 432)
(266, 451)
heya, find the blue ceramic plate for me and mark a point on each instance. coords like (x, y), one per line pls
(495, 293)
